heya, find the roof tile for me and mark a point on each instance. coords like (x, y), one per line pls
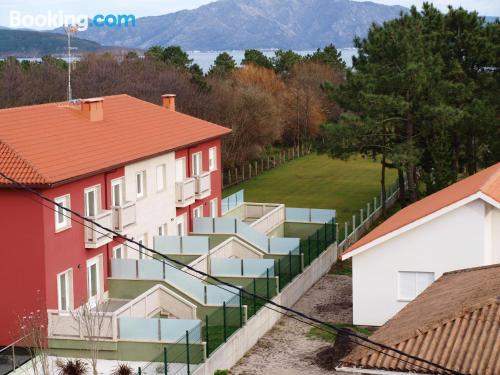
(50, 143)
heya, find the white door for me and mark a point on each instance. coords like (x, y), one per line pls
(91, 196)
(180, 169)
(94, 280)
(181, 225)
(197, 164)
(117, 196)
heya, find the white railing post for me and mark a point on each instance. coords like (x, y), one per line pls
(353, 223)
(374, 204)
(368, 210)
(361, 216)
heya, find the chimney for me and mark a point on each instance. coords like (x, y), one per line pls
(92, 109)
(168, 101)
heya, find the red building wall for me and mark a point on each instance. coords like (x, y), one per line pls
(216, 178)
(22, 262)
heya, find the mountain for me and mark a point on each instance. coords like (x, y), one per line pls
(22, 43)
(242, 24)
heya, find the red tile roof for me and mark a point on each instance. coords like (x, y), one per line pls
(455, 323)
(50, 143)
(487, 181)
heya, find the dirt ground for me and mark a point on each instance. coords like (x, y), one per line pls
(287, 349)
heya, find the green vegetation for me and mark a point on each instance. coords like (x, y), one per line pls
(423, 95)
(221, 372)
(326, 334)
(342, 268)
(319, 182)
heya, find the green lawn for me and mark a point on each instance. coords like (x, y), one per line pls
(316, 181)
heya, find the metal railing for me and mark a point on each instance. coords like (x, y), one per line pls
(203, 185)
(13, 356)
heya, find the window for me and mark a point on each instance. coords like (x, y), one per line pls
(411, 284)
(212, 158)
(65, 290)
(198, 212)
(92, 201)
(62, 217)
(162, 230)
(94, 279)
(117, 192)
(160, 177)
(181, 225)
(197, 160)
(180, 169)
(118, 252)
(143, 241)
(213, 208)
(140, 183)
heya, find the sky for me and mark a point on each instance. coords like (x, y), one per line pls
(141, 8)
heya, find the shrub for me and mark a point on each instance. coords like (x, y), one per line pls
(72, 367)
(122, 369)
(221, 372)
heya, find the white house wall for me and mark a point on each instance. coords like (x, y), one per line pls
(452, 241)
(492, 234)
(155, 208)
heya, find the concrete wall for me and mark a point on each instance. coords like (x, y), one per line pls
(453, 241)
(157, 207)
(245, 338)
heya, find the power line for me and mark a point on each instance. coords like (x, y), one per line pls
(339, 331)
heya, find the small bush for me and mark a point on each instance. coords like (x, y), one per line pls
(123, 369)
(72, 367)
(221, 372)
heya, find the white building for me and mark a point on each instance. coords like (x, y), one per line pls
(455, 228)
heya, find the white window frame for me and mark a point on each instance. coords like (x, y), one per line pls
(141, 183)
(97, 190)
(419, 281)
(200, 164)
(162, 230)
(68, 274)
(65, 201)
(214, 208)
(120, 248)
(198, 211)
(143, 239)
(161, 180)
(97, 261)
(180, 177)
(212, 159)
(181, 220)
(121, 183)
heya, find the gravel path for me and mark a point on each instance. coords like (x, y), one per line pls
(287, 349)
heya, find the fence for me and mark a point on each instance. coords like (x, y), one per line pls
(14, 356)
(245, 172)
(181, 357)
(364, 220)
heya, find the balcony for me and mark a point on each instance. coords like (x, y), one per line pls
(96, 236)
(124, 216)
(185, 192)
(203, 185)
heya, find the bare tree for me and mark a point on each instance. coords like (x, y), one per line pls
(33, 330)
(94, 324)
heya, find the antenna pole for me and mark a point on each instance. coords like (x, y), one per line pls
(70, 29)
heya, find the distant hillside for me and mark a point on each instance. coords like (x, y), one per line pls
(23, 43)
(242, 24)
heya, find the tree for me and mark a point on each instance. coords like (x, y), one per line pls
(284, 60)
(171, 55)
(328, 55)
(418, 82)
(94, 323)
(223, 65)
(256, 57)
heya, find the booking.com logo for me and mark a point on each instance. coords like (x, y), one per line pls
(81, 21)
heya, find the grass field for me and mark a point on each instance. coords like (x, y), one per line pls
(316, 181)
